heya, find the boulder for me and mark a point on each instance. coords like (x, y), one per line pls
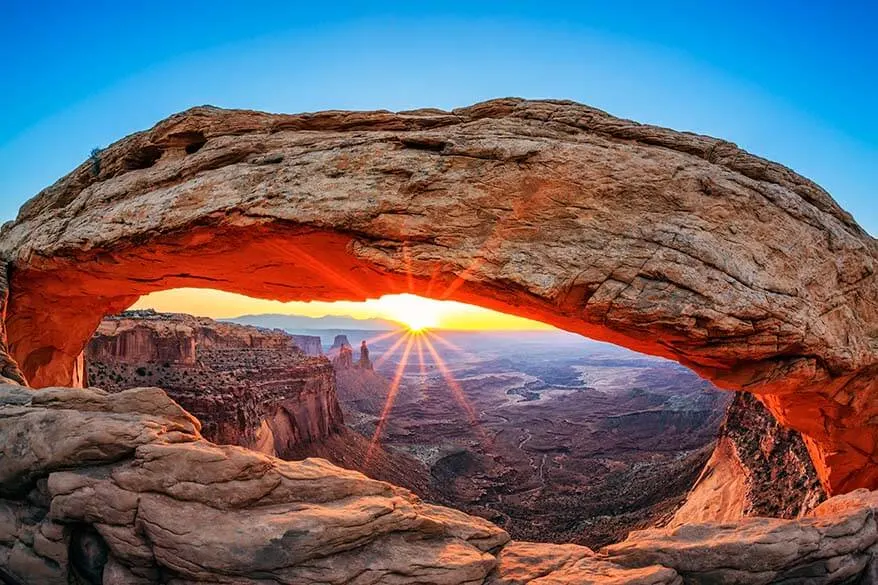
(142, 493)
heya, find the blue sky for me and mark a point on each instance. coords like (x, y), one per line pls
(796, 82)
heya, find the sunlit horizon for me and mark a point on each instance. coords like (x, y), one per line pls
(419, 339)
(411, 312)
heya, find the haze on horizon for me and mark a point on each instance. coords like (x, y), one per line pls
(408, 310)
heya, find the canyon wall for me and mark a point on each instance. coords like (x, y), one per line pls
(9, 370)
(248, 386)
(758, 468)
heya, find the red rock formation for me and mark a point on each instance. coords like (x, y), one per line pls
(248, 386)
(339, 342)
(9, 371)
(668, 243)
(757, 469)
(343, 355)
(134, 340)
(310, 344)
(364, 363)
(344, 358)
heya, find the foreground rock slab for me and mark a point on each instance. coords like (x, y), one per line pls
(113, 489)
(158, 503)
(521, 563)
(828, 549)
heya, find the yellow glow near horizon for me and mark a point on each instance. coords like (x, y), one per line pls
(415, 313)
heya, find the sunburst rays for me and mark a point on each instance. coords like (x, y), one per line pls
(391, 397)
(457, 392)
(389, 353)
(411, 336)
(443, 341)
(419, 340)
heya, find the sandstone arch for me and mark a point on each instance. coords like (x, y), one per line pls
(668, 243)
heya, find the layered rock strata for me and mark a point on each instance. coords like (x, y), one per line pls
(248, 386)
(668, 243)
(127, 491)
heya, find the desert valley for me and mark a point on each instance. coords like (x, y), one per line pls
(551, 436)
(548, 435)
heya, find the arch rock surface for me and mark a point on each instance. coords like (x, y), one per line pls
(670, 243)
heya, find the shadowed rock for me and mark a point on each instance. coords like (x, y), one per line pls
(758, 468)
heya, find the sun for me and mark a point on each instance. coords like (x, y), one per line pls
(415, 313)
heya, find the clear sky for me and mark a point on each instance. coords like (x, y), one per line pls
(794, 81)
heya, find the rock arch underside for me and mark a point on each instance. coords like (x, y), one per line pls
(668, 243)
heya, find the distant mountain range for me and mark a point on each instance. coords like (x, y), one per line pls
(301, 323)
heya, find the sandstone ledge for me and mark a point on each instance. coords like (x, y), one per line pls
(122, 489)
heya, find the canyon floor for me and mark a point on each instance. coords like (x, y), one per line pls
(554, 437)
(549, 435)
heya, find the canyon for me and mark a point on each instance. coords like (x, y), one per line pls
(250, 387)
(128, 492)
(550, 436)
(669, 243)
(624, 456)
(560, 439)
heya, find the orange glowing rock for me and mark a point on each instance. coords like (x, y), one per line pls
(667, 243)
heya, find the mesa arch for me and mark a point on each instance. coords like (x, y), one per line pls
(668, 243)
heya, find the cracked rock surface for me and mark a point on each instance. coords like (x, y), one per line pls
(128, 492)
(666, 242)
(168, 506)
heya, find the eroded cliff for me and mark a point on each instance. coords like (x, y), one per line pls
(248, 386)
(758, 468)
